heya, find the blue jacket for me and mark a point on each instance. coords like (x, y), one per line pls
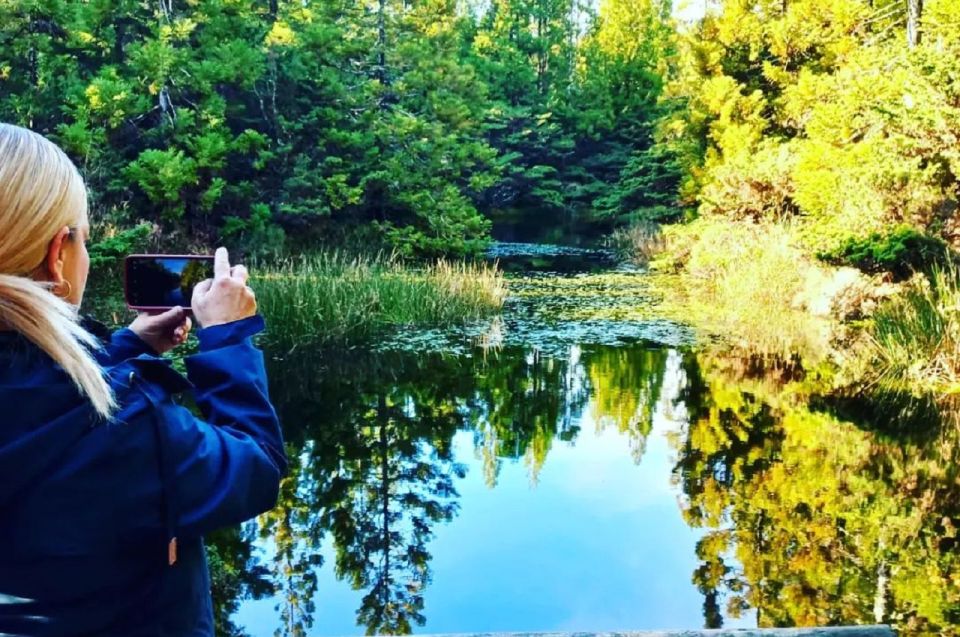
(92, 513)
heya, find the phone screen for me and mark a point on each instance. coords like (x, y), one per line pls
(160, 282)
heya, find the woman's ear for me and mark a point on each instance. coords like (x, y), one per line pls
(55, 259)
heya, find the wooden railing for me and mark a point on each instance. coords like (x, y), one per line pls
(837, 631)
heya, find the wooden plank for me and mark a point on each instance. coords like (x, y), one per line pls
(831, 631)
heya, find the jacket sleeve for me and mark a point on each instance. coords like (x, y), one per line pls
(227, 467)
(115, 346)
(123, 344)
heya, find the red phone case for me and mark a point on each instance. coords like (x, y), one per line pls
(126, 281)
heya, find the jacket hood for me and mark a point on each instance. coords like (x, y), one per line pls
(43, 415)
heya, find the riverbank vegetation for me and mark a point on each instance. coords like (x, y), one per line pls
(333, 299)
(336, 299)
(749, 282)
(817, 141)
(914, 340)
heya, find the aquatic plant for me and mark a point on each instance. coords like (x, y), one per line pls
(332, 298)
(639, 242)
(914, 340)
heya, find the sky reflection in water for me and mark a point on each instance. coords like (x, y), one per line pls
(581, 478)
(591, 541)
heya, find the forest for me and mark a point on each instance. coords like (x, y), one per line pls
(273, 125)
(777, 184)
(763, 149)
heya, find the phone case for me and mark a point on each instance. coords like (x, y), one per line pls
(126, 278)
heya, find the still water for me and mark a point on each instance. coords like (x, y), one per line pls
(580, 464)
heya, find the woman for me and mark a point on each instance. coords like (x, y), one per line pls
(106, 484)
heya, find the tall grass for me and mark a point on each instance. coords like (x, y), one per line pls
(914, 341)
(639, 242)
(334, 299)
(749, 283)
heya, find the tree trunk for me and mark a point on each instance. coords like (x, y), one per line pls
(880, 597)
(914, 16)
(164, 103)
(383, 419)
(542, 50)
(166, 8)
(381, 72)
(33, 64)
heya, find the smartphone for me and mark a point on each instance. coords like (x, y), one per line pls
(157, 282)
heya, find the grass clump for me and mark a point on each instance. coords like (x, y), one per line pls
(334, 299)
(748, 282)
(639, 242)
(914, 340)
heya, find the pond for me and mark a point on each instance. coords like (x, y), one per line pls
(582, 464)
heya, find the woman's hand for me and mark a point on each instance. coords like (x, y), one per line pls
(224, 298)
(163, 331)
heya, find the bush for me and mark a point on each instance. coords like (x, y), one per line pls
(114, 244)
(748, 281)
(903, 252)
(108, 247)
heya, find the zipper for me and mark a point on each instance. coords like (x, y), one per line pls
(168, 501)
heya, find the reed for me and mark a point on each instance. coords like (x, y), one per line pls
(915, 337)
(640, 243)
(749, 284)
(331, 298)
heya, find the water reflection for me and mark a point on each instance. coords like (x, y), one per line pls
(795, 516)
(526, 258)
(376, 474)
(812, 520)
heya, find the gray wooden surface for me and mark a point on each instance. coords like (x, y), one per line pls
(839, 631)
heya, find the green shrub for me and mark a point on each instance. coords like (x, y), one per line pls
(902, 252)
(115, 244)
(164, 175)
(109, 245)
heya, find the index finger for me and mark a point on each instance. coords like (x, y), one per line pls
(221, 264)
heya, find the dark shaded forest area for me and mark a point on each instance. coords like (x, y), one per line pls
(278, 124)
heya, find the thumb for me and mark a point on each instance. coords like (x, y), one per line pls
(200, 289)
(172, 317)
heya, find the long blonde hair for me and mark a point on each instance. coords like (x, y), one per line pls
(41, 192)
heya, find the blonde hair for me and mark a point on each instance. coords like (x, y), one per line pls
(41, 192)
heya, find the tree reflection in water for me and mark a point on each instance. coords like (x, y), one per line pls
(806, 518)
(374, 472)
(812, 520)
